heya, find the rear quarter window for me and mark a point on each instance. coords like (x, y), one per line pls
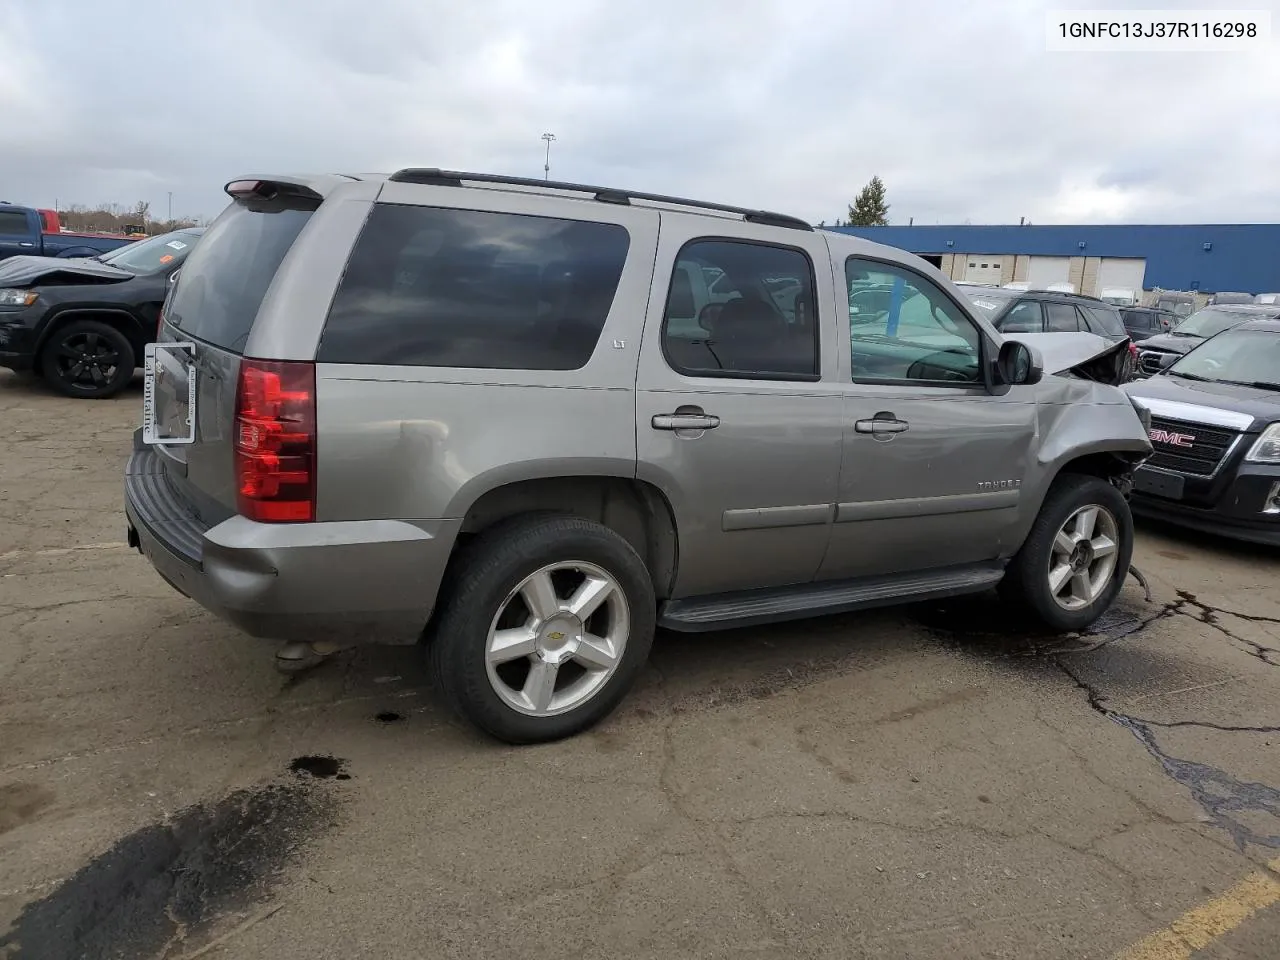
(436, 287)
(1104, 320)
(224, 280)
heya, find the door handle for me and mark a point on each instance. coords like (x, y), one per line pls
(881, 423)
(684, 421)
(24, 243)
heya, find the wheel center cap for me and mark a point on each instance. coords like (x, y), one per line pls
(558, 638)
(1082, 556)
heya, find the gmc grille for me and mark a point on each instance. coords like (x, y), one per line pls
(1149, 360)
(1188, 447)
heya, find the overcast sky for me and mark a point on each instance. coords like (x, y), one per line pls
(790, 105)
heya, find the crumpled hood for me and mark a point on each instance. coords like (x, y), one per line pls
(29, 271)
(1062, 352)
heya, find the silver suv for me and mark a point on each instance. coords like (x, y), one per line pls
(526, 423)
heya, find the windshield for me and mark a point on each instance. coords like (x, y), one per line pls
(1238, 356)
(151, 256)
(1209, 322)
(990, 302)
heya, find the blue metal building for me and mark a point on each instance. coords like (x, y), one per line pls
(1207, 257)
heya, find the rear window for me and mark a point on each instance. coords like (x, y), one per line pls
(225, 278)
(1137, 320)
(436, 287)
(13, 223)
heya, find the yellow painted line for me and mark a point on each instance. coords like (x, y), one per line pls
(1201, 926)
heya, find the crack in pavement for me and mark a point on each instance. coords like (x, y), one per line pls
(703, 829)
(1222, 797)
(1208, 614)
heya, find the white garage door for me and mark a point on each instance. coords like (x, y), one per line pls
(1043, 271)
(982, 269)
(1120, 274)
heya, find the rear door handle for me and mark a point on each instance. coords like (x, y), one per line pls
(684, 421)
(24, 243)
(881, 424)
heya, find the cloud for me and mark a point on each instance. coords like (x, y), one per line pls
(781, 104)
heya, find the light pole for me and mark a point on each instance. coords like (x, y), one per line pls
(171, 206)
(546, 168)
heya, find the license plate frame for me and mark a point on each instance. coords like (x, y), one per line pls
(169, 369)
(1158, 483)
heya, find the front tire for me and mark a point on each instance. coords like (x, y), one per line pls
(1074, 561)
(544, 624)
(88, 360)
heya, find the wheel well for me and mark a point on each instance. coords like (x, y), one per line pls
(1104, 466)
(635, 510)
(126, 323)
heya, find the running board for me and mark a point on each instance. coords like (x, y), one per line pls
(774, 604)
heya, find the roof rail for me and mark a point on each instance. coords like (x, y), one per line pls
(433, 176)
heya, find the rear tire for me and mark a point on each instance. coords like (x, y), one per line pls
(88, 360)
(1076, 557)
(543, 624)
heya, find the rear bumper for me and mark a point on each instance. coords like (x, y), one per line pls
(373, 580)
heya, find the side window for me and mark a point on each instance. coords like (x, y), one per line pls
(437, 287)
(1025, 317)
(756, 319)
(1062, 318)
(13, 224)
(902, 327)
(1104, 321)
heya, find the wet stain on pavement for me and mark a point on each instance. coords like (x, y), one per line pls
(21, 803)
(164, 884)
(388, 716)
(984, 625)
(320, 767)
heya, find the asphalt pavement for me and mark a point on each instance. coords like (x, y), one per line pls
(912, 783)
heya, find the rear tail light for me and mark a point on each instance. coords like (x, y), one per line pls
(275, 441)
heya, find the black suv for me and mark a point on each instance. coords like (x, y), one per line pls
(82, 323)
(1047, 311)
(1215, 430)
(1157, 352)
(1143, 322)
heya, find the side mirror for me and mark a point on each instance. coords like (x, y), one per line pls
(1018, 364)
(1167, 360)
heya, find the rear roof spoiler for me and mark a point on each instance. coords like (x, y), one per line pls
(266, 186)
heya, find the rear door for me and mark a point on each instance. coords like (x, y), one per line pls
(932, 464)
(19, 232)
(738, 401)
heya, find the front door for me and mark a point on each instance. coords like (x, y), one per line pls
(932, 463)
(738, 401)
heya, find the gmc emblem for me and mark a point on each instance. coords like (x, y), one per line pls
(1172, 439)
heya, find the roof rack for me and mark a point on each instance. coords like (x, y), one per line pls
(433, 176)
